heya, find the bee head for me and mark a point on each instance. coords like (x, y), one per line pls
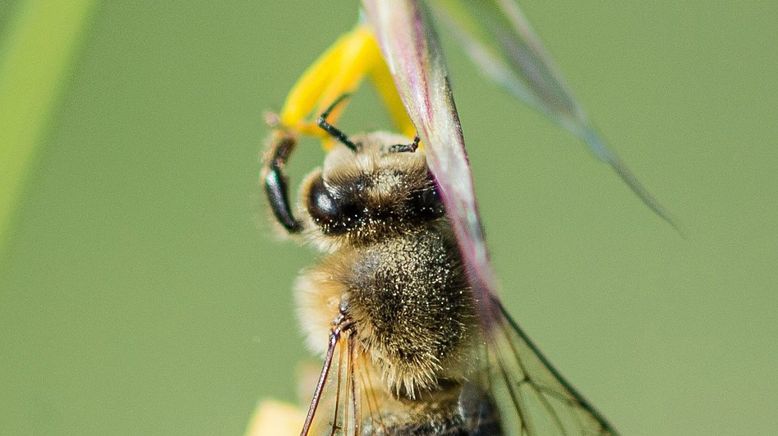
(379, 187)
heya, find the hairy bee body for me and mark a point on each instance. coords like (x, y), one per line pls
(392, 268)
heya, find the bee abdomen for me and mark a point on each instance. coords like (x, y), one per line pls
(453, 427)
(473, 414)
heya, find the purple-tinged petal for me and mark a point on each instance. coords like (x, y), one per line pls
(411, 50)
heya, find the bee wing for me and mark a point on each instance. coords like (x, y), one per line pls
(533, 397)
(499, 39)
(323, 416)
(344, 397)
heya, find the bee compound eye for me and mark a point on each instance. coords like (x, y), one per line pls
(426, 203)
(430, 197)
(322, 206)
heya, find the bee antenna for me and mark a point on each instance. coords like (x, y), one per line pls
(332, 130)
(406, 148)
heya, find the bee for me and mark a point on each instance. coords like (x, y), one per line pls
(390, 309)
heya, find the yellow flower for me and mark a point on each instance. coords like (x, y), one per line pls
(340, 70)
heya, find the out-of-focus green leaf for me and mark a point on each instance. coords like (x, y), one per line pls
(411, 50)
(499, 39)
(35, 57)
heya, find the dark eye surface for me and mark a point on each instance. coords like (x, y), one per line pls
(322, 206)
(425, 204)
(335, 215)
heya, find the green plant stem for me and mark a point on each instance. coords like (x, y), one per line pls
(35, 58)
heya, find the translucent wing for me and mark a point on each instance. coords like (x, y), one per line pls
(347, 393)
(498, 38)
(351, 399)
(533, 397)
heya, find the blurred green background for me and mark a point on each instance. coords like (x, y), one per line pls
(142, 290)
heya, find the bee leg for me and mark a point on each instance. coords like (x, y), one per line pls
(341, 325)
(276, 181)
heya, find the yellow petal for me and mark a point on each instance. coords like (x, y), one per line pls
(340, 70)
(306, 93)
(384, 84)
(275, 418)
(359, 54)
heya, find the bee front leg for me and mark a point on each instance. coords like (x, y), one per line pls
(275, 180)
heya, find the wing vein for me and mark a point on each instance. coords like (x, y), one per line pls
(515, 397)
(575, 399)
(531, 382)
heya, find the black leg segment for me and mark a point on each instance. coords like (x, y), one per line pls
(276, 183)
